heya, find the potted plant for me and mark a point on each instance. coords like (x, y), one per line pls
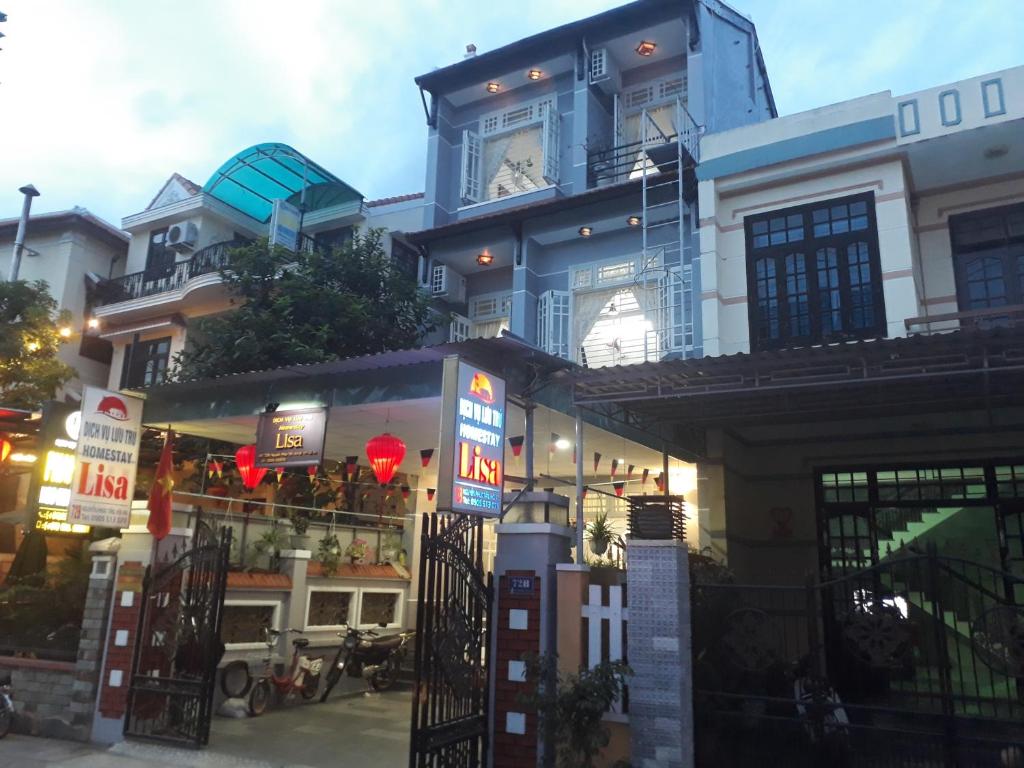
(300, 525)
(356, 551)
(268, 546)
(600, 533)
(391, 548)
(328, 552)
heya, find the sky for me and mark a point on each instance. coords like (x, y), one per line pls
(101, 100)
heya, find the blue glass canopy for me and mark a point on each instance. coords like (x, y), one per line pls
(255, 177)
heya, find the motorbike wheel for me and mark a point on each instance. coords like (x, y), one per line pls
(6, 715)
(235, 679)
(259, 698)
(333, 676)
(310, 686)
(384, 677)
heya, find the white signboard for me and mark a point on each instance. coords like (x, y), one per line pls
(106, 458)
(285, 220)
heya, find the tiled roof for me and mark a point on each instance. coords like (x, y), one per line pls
(393, 200)
(359, 571)
(240, 580)
(190, 186)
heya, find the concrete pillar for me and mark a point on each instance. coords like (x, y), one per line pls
(294, 564)
(524, 620)
(660, 690)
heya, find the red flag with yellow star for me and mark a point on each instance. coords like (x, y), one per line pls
(160, 494)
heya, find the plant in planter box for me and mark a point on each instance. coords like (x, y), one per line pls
(600, 532)
(328, 552)
(391, 548)
(357, 550)
(300, 524)
(268, 546)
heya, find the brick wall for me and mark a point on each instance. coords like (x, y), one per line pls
(42, 690)
(124, 622)
(518, 635)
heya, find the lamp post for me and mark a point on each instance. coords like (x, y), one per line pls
(19, 239)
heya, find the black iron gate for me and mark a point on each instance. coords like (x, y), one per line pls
(178, 643)
(450, 702)
(918, 660)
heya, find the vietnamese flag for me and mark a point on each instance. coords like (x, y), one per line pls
(160, 494)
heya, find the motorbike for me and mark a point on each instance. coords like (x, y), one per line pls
(6, 705)
(365, 653)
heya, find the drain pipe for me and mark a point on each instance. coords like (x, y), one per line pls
(29, 192)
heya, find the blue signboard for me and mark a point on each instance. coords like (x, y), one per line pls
(471, 472)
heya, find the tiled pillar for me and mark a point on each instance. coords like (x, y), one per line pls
(90, 646)
(660, 690)
(115, 674)
(518, 636)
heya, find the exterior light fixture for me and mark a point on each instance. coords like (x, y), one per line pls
(484, 259)
(534, 74)
(65, 332)
(634, 221)
(646, 48)
(562, 444)
(93, 322)
(586, 231)
(493, 87)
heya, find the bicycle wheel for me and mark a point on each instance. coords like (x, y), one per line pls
(235, 679)
(6, 716)
(333, 676)
(259, 698)
(310, 686)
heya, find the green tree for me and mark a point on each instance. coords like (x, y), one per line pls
(306, 308)
(29, 341)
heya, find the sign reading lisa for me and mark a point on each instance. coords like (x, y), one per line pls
(290, 438)
(106, 458)
(470, 473)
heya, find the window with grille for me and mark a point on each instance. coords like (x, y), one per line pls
(988, 255)
(813, 274)
(145, 363)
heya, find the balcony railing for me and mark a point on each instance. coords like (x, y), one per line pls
(151, 282)
(991, 317)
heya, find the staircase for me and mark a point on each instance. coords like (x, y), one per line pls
(901, 538)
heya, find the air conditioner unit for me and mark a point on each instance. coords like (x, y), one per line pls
(604, 72)
(182, 236)
(448, 284)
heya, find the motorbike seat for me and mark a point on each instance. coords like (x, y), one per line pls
(300, 642)
(386, 643)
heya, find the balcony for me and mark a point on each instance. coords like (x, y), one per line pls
(980, 319)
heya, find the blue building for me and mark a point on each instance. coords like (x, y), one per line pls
(560, 190)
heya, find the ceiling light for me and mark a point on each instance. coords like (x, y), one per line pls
(646, 48)
(484, 259)
(586, 231)
(493, 87)
(634, 221)
(94, 322)
(561, 443)
(534, 74)
(23, 458)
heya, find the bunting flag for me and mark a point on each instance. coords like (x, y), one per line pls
(425, 456)
(555, 437)
(311, 471)
(660, 482)
(350, 465)
(159, 505)
(430, 493)
(210, 469)
(517, 445)
(615, 466)
(406, 491)
(643, 478)
(629, 471)
(279, 471)
(597, 460)
(218, 467)
(585, 489)
(619, 487)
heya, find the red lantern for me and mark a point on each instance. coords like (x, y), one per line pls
(385, 453)
(430, 493)
(6, 446)
(245, 457)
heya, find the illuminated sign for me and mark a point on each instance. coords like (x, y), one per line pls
(470, 474)
(106, 459)
(290, 438)
(55, 470)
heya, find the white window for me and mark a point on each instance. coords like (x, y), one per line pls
(330, 607)
(244, 620)
(516, 150)
(490, 306)
(460, 328)
(380, 607)
(553, 323)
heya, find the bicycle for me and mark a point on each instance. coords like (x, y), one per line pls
(303, 675)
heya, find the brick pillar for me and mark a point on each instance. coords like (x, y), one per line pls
(115, 674)
(91, 644)
(660, 690)
(518, 636)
